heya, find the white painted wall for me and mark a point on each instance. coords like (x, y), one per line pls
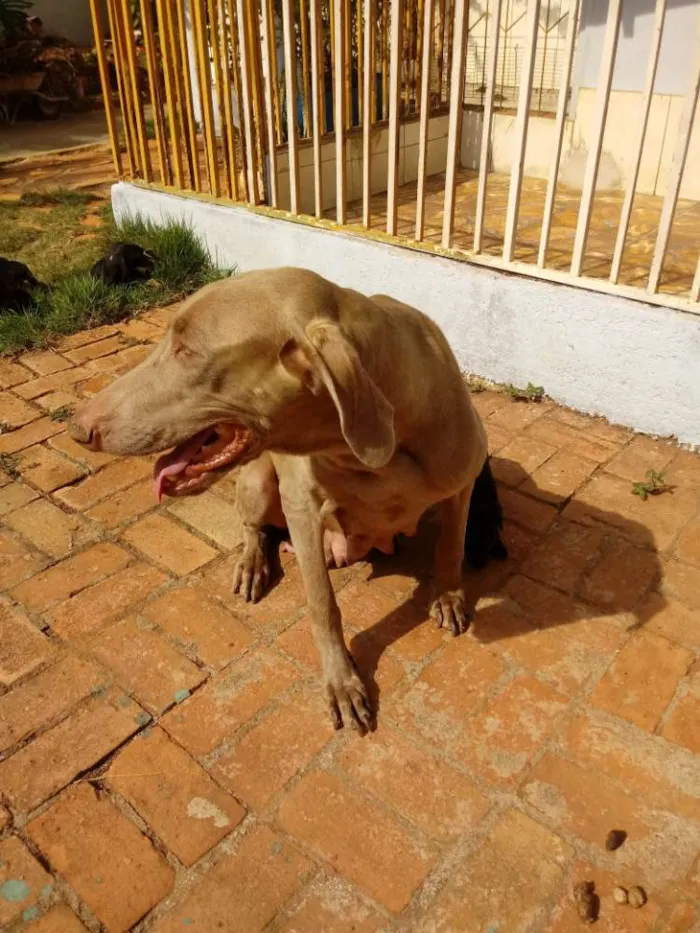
(436, 159)
(675, 59)
(638, 365)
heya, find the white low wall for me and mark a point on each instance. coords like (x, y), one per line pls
(636, 364)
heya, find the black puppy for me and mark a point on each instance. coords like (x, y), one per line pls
(16, 283)
(485, 521)
(125, 262)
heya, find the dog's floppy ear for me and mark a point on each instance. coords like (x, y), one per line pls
(323, 358)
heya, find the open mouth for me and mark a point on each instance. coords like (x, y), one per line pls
(185, 468)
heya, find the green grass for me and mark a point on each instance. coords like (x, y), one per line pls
(55, 197)
(75, 300)
(43, 230)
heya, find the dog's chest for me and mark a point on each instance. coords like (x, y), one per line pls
(375, 504)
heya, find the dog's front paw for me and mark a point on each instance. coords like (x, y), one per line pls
(251, 577)
(348, 699)
(450, 611)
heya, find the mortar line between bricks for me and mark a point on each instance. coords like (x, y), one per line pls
(186, 877)
(85, 775)
(104, 789)
(225, 747)
(287, 911)
(64, 713)
(108, 495)
(682, 688)
(61, 885)
(555, 745)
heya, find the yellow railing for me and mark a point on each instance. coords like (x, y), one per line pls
(362, 112)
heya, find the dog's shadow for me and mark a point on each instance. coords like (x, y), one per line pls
(567, 561)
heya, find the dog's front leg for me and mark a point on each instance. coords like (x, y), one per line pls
(449, 608)
(348, 700)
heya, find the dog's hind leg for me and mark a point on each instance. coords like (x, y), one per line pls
(259, 505)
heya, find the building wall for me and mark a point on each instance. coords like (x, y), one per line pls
(631, 362)
(69, 19)
(617, 155)
(675, 59)
(408, 164)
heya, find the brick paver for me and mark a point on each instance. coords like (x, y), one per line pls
(165, 759)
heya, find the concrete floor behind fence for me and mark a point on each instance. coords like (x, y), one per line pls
(166, 760)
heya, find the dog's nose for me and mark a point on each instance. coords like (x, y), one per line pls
(83, 429)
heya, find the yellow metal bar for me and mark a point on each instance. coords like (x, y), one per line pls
(270, 52)
(188, 107)
(201, 43)
(305, 72)
(179, 65)
(246, 96)
(290, 67)
(272, 15)
(237, 81)
(392, 186)
(134, 80)
(253, 35)
(156, 97)
(97, 28)
(232, 165)
(360, 57)
(168, 56)
(221, 90)
(339, 115)
(345, 25)
(122, 88)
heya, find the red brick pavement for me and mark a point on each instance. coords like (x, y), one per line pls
(166, 763)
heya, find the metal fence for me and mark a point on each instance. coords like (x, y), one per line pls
(235, 87)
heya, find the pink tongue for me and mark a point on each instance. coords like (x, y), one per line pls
(177, 460)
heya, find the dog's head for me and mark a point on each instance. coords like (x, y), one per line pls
(248, 364)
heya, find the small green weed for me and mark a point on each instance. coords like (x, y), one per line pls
(10, 465)
(476, 384)
(64, 413)
(531, 393)
(654, 485)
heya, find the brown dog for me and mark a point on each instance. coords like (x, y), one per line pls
(350, 415)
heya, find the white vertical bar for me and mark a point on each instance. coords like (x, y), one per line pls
(339, 110)
(522, 121)
(487, 123)
(424, 115)
(607, 66)
(676, 174)
(367, 109)
(290, 80)
(454, 126)
(657, 31)
(397, 12)
(559, 124)
(269, 39)
(315, 24)
(695, 290)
